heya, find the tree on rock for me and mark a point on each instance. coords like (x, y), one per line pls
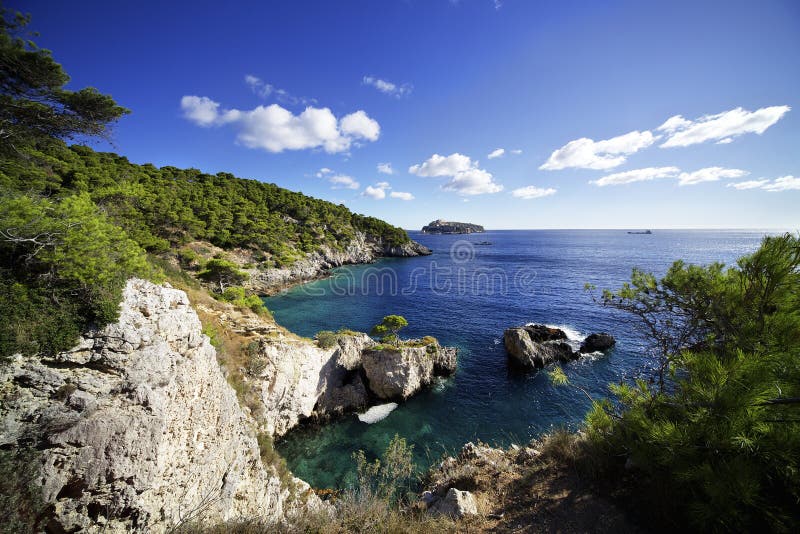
(389, 327)
(223, 273)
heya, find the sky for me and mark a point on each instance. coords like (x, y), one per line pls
(507, 113)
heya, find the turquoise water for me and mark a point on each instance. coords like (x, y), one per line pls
(466, 294)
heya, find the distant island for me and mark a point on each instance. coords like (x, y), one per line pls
(449, 227)
(646, 232)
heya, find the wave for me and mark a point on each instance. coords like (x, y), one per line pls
(377, 413)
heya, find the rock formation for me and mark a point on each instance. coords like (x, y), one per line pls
(449, 227)
(301, 380)
(397, 373)
(535, 345)
(597, 342)
(137, 428)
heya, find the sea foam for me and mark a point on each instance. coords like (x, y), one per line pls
(377, 413)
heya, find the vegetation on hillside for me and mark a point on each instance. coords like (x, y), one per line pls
(75, 223)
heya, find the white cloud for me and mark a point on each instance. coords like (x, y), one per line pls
(275, 129)
(496, 153)
(473, 182)
(709, 174)
(342, 181)
(725, 141)
(438, 165)
(359, 124)
(200, 110)
(586, 153)
(637, 175)
(387, 87)
(323, 171)
(517, 151)
(466, 178)
(531, 192)
(401, 195)
(749, 184)
(385, 168)
(378, 191)
(784, 183)
(720, 127)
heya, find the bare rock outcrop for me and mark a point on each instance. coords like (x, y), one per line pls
(399, 372)
(537, 345)
(137, 428)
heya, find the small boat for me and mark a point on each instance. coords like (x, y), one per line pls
(646, 232)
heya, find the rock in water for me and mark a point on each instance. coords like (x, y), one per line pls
(537, 345)
(595, 342)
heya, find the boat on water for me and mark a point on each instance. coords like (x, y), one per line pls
(646, 232)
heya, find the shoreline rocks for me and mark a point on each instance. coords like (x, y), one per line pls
(316, 265)
(399, 372)
(535, 346)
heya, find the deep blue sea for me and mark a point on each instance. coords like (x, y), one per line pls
(466, 294)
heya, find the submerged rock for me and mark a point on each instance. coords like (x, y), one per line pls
(597, 342)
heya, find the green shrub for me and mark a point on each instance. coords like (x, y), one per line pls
(326, 339)
(714, 438)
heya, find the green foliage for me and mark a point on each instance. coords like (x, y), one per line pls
(223, 273)
(326, 339)
(34, 106)
(389, 477)
(63, 267)
(723, 432)
(387, 330)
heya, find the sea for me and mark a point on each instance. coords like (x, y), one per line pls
(466, 294)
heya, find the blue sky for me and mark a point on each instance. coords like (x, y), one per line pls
(577, 94)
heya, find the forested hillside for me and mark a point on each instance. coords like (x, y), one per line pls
(75, 224)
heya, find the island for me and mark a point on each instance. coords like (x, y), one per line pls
(449, 227)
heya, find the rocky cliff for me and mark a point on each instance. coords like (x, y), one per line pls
(360, 250)
(137, 428)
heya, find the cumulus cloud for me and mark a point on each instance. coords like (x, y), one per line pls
(385, 168)
(466, 178)
(387, 87)
(749, 184)
(200, 110)
(637, 175)
(722, 127)
(375, 192)
(275, 129)
(531, 192)
(496, 153)
(585, 153)
(401, 195)
(438, 165)
(709, 174)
